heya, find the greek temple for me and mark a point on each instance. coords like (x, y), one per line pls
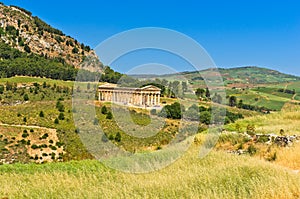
(147, 96)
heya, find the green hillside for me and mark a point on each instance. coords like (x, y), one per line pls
(241, 75)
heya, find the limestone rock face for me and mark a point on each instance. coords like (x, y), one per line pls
(20, 29)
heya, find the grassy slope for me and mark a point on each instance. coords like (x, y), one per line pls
(218, 175)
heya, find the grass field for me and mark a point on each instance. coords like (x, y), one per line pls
(219, 175)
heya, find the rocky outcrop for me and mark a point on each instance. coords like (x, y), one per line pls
(27, 33)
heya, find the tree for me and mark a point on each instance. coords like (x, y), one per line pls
(217, 98)
(118, 137)
(56, 121)
(75, 50)
(232, 101)
(205, 117)
(184, 86)
(61, 116)
(1, 89)
(200, 92)
(26, 98)
(207, 93)
(42, 114)
(104, 110)
(173, 111)
(109, 115)
(27, 48)
(240, 104)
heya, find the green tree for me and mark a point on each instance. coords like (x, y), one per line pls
(184, 86)
(61, 116)
(75, 50)
(118, 137)
(200, 92)
(240, 104)
(104, 110)
(109, 115)
(56, 121)
(207, 93)
(232, 101)
(27, 48)
(1, 89)
(25, 97)
(41, 114)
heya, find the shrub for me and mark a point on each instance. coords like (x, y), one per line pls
(109, 115)
(34, 146)
(153, 112)
(104, 110)
(45, 136)
(25, 97)
(252, 149)
(61, 116)
(24, 119)
(56, 121)
(31, 130)
(111, 137)
(25, 135)
(53, 148)
(250, 129)
(118, 137)
(96, 121)
(42, 114)
(75, 50)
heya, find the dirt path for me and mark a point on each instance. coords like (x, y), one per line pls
(27, 126)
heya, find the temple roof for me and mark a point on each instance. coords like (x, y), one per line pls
(109, 86)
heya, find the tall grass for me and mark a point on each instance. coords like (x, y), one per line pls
(219, 175)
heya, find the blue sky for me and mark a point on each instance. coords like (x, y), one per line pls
(235, 33)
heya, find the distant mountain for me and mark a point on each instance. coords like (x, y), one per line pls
(231, 76)
(29, 34)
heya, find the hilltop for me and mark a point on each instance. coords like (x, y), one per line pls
(26, 33)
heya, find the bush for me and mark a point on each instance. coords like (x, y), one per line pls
(172, 111)
(25, 97)
(153, 112)
(34, 146)
(252, 150)
(25, 135)
(109, 115)
(61, 116)
(56, 121)
(24, 119)
(45, 136)
(104, 110)
(53, 148)
(96, 121)
(41, 114)
(118, 137)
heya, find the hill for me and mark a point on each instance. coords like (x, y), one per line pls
(27, 33)
(242, 76)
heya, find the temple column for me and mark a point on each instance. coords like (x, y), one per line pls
(148, 99)
(158, 99)
(154, 101)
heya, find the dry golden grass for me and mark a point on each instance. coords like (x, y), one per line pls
(218, 175)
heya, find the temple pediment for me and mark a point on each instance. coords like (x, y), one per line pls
(150, 88)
